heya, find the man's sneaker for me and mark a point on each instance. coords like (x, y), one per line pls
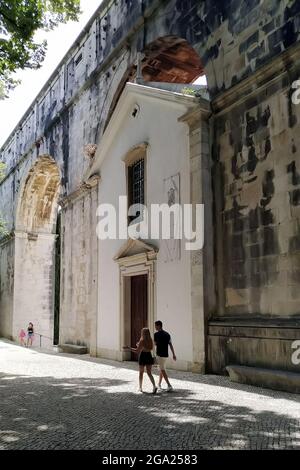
(170, 388)
(160, 388)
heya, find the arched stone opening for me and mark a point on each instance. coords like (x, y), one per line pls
(38, 200)
(168, 59)
(35, 251)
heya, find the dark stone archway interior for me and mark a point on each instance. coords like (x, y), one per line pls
(171, 59)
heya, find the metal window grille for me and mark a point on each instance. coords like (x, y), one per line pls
(136, 189)
(137, 182)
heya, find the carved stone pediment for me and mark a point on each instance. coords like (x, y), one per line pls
(135, 248)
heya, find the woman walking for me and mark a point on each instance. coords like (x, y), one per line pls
(30, 334)
(144, 350)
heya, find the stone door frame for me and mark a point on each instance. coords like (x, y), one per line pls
(129, 266)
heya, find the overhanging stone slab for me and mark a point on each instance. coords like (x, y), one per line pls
(268, 378)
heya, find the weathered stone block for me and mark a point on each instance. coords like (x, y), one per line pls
(268, 378)
(73, 349)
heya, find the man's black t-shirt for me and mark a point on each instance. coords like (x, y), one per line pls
(162, 340)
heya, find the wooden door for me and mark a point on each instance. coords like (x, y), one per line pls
(139, 308)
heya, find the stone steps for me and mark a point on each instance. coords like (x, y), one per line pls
(72, 349)
(269, 378)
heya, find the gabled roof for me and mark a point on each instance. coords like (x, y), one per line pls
(131, 93)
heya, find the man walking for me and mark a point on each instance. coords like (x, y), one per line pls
(162, 340)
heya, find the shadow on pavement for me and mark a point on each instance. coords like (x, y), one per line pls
(98, 413)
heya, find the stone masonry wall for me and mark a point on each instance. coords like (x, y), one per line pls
(34, 286)
(6, 287)
(258, 169)
(79, 271)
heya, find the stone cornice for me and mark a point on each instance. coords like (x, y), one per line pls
(267, 74)
(34, 236)
(84, 188)
(196, 114)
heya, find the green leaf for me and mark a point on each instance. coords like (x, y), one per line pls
(19, 21)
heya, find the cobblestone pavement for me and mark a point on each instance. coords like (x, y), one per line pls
(54, 401)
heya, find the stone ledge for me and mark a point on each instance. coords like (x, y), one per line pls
(72, 349)
(256, 321)
(268, 378)
(260, 328)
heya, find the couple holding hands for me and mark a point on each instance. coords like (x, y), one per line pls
(144, 348)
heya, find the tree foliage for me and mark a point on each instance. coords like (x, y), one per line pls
(19, 21)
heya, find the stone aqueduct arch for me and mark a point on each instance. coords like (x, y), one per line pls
(35, 239)
(37, 204)
(250, 53)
